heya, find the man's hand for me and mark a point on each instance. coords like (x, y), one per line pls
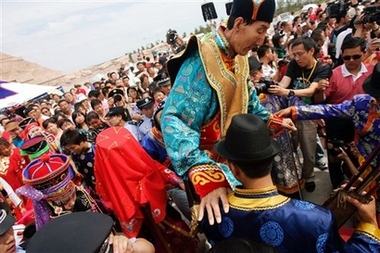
(284, 112)
(366, 212)
(210, 202)
(121, 244)
(278, 90)
(287, 124)
(323, 84)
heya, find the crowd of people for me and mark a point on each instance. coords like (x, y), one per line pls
(209, 138)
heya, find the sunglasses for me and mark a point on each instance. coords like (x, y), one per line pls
(349, 57)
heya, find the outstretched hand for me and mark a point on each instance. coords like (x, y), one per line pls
(210, 202)
(284, 112)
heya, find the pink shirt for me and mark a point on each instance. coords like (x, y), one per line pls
(344, 86)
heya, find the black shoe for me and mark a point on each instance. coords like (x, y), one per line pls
(309, 186)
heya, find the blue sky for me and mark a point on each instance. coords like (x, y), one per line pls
(72, 35)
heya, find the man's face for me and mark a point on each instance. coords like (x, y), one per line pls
(95, 123)
(6, 150)
(148, 112)
(302, 57)
(64, 106)
(69, 97)
(99, 109)
(166, 89)
(76, 148)
(141, 67)
(7, 242)
(352, 58)
(246, 37)
(256, 75)
(114, 120)
(35, 113)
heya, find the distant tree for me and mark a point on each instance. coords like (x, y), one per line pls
(142, 48)
(184, 35)
(151, 45)
(196, 31)
(131, 58)
(134, 51)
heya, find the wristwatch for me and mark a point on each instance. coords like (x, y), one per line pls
(291, 93)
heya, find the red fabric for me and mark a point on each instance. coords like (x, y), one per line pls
(206, 178)
(13, 171)
(127, 178)
(46, 166)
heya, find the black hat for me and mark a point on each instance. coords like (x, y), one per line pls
(113, 111)
(253, 63)
(260, 10)
(162, 79)
(28, 109)
(34, 147)
(85, 232)
(247, 139)
(115, 92)
(27, 121)
(6, 221)
(371, 85)
(145, 103)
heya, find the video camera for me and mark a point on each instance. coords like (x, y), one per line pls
(264, 84)
(337, 144)
(371, 14)
(171, 36)
(337, 8)
(172, 39)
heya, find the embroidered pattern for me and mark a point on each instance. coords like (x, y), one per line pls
(272, 233)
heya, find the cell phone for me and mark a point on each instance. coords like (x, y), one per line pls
(302, 24)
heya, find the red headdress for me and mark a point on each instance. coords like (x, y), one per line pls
(127, 178)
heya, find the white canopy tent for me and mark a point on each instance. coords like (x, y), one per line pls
(13, 94)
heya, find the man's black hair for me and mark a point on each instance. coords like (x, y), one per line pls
(255, 169)
(95, 102)
(308, 43)
(93, 93)
(92, 115)
(354, 42)
(70, 137)
(262, 50)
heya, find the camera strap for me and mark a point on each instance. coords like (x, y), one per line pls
(311, 73)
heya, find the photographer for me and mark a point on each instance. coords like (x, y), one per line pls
(175, 41)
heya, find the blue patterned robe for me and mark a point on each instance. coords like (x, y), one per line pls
(357, 110)
(289, 225)
(191, 104)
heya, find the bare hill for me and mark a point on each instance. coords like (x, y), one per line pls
(17, 69)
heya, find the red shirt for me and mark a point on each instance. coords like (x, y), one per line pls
(343, 86)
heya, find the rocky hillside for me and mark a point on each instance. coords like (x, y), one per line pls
(19, 70)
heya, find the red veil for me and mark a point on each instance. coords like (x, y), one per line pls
(127, 178)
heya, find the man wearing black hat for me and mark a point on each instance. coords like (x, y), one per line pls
(163, 82)
(147, 121)
(209, 87)
(258, 213)
(119, 116)
(84, 232)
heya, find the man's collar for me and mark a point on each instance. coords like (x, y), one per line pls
(222, 42)
(347, 73)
